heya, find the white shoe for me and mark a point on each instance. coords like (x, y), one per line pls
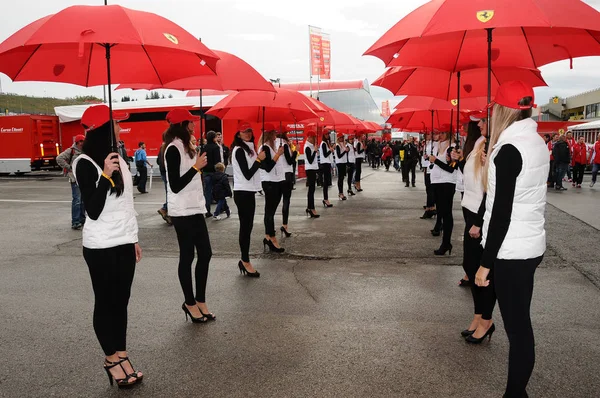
(217, 218)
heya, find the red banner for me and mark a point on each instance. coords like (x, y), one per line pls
(316, 64)
(325, 56)
(385, 109)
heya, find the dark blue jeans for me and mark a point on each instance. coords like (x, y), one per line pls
(208, 190)
(222, 206)
(561, 170)
(163, 177)
(77, 209)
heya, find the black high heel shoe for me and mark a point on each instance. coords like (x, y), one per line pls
(285, 232)
(465, 333)
(311, 214)
(138, 375)
(327, 205)
(121, 383)
(342, 197)
(351, 192)
(244, 271)
(272, 246)
(474, 340)
(435, 233)
(442, 250)
(427, 214)
(187, 312)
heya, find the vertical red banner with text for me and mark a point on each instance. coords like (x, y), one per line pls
(325, 56)
(316, 63)
(385, 109)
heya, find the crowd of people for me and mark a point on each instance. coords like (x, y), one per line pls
(569, 158)
(502, 179)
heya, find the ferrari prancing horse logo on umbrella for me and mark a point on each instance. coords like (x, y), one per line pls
(171, 38)
(485, 15)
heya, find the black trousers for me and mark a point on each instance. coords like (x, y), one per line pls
(412, 168)
(350, 171)
(484, 298)
(246, 205)
(429, 189)
(552, 173)
(326, 171)
(141, 168)
(111, 271)
(404, 166)
(444, 198)
(286, 194)
(341, 168)
(387, 162)
(273, 196)
(578, 171)
(311, 181)
(514, 287)
(192, 234)
(358, 169)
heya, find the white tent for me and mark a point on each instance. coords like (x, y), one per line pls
(586, 126)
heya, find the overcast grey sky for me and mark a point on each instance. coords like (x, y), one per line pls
(272, 35)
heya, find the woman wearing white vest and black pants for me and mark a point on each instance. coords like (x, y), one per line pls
(341, 161)
(271, 177)
(443, 181)
(359, 155)
(286, 165)
(185, 198)
(110, 238)
(351, 154)
(325, 160)
(514, 238)
(311, 165)
(246, 183)
(428, 149)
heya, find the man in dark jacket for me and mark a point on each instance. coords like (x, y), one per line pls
(221, 191)
(213, 156)
(562, 158)
(411, 158)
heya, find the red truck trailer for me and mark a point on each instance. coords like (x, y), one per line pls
(28, 142)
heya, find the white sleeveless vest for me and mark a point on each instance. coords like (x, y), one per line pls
(240, 183)
(117, 224)
(277, 174)
(428, 151)
(351, 153)
(322, 158)
(344, 157)
(190, 200)
(473, 185)
(358, 146)
(526, 236)
(282, 163)
(315, 164)
(439, 176)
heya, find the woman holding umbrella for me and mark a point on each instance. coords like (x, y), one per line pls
(286, 164)
(514, 238)
(351, 155)
(326, 159)
(360, 156)
(341, 161)
(246, 183)
(110, 238)
(311, 166)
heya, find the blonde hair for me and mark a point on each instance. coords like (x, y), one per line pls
(503, 118)
(220, 167)
(268, 137)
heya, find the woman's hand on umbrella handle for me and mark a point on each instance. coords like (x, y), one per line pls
(432, 158)
(261, 156)
(201, 161)
(111, 164)
(483, 157)
(481, 279)
(280, 150)
(138, 253)
(475, 232)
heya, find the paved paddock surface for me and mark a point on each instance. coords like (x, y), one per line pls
(357, 307)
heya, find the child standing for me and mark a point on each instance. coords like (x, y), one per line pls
(221, 191)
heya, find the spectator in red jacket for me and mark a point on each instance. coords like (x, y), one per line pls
(571, 142)
(595, 161)
(579, 161)
(387, 156)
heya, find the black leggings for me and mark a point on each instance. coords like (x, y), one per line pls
(326, 170)
(246, 205)
(578, 170)
(286, 193)
(273, 195)
(350, 172)
(193, 234)
(514, 287)
(112, 273)
(311, 181)
(429, 189)
(444, 198)
(341, 168)
(412, 168)
(358, 169)
(484, 298)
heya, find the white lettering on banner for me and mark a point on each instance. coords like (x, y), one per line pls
(11, 130)
(125, 131)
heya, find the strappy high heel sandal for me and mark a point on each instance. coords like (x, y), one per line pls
(138, 375)
(126, 382)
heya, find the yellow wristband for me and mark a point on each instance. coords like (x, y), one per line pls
(258, 160)
(109, 179)
(195, 168)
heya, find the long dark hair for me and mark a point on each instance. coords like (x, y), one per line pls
(98, 145)
(180, 131)
(238, 141)
(473, 134)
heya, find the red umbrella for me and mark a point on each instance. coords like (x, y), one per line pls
(454, 34)
(95, 45)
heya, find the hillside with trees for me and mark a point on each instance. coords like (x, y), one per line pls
(22, 104)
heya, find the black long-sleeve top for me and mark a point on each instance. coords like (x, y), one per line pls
(310, 155)
(94, 197)
(325, 149)
(213, 156)
(246, 170)
(269, 163)
(177, 182)
(508, 167)
(338, 152)
(359, 149)
(287, 152)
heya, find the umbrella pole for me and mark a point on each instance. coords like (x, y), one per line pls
(108, 81)
(432, 132)
(458, 111)
(263, 121)
(489, 87)
(451, 124)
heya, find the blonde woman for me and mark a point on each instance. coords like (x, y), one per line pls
(514, 238)
(341, 161)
